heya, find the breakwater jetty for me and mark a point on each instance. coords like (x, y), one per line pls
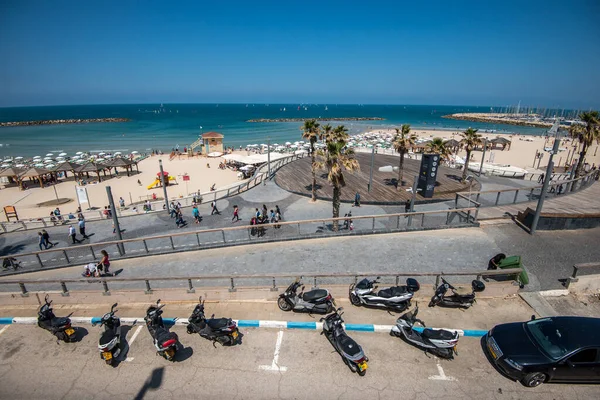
(318, 119)
(508, 119)
(63, 121)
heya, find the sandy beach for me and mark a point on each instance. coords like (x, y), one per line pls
(201, 179)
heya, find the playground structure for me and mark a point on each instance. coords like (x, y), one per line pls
(157, 183)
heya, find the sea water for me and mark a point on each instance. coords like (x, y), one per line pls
(156, 126)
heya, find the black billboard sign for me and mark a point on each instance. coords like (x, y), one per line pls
(428, 174)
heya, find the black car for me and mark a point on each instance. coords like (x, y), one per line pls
(555, 349)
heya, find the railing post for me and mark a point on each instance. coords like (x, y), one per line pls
(65, 291)
(397, 280)
(198, 239)
(66, 257)
(23, 290)
(516, 195)
(422, 220)
(39, 260)
(274, 287)
(298, 228)
(531, 194)
(106, 292)
(232, 288)
(476, 215)
(148, 288)
(315, 282)
(437, 282)
(92, 251)
(456, 201)
(172, 244)
(447, 218)
(498, 197)
(224, 241)
(409, 220)
(373, 226)
(477, 197)
(398, 222)
(145, 246)
(575, 270)
(190, 287)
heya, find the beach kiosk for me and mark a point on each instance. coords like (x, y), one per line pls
(212, 142)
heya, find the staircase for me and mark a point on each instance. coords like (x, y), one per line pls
(197, 143)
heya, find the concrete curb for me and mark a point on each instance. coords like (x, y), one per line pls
(246, 323)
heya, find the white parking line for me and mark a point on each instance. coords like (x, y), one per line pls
(442, 376)
(275, 364)
(4, 329)
(130, 341)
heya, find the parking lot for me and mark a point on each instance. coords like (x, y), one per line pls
(34, 366)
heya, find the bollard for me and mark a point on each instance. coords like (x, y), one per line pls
(148, 288)
(66, 257)
(274, 288)
(106, 292)
(23, 290)
(191, 287)
(65, 291)
(232, 288)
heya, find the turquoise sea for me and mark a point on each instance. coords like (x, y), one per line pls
(156, 126)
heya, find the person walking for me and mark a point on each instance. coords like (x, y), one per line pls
(121, 202)
(236, 214)
(81, 224)
(214, 208)
(541, 178)
(196, 214)
(104, 263)
(172, 210)
(278, 211)
(407, 206)
(357, 200)
(73, 234)
(179, 221)
(46, 237)
(42, 241)
(272, 217)
(277, 219)
(264, 211)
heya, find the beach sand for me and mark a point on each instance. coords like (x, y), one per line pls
(201, 178)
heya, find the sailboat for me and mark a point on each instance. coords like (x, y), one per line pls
(326, 108)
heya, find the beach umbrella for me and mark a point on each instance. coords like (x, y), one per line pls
(49, 165)
(100, 159)
(48, 161)
(79, 153)
(101, 153)
(49, 155)
(118, 153)
(37, 157)
(62, 154)
(135, 152)
(76, 157)
(18, 158)
(288, 143)
(4, 165)
(20, 165)
(39, 165)
(108, 156)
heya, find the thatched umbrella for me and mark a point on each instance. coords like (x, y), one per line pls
(35, 172)
(120, 162)
(452, 144)
(12, 173)
(65, 166)
(90, 167)
(501, 141)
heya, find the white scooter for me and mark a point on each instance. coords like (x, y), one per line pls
(439, 342)
(109, 343)
(395, 298)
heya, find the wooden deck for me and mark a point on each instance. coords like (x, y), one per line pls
(296, 177)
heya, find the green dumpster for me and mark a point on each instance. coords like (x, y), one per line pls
(514, 262)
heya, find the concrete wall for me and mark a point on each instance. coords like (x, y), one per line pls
(586, 284)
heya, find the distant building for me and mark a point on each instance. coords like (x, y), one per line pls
(212, 142)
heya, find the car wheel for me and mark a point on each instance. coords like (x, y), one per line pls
(534, 379)
(283, 305)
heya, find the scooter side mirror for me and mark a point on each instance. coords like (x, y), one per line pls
(212, 316)
(533, 317)
(158, 302)
(378, 277)
(114, 306)
(302, 289)
(200, 300)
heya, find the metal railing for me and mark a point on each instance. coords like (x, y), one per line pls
(256, 280)
(157, 206)
(490, 198)
(262, 233)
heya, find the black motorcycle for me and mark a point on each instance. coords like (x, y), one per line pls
(109, 343)
(59, 327)
(351, 352)
(166, 342)
(458, 298)
(315, 301)
(222, 330)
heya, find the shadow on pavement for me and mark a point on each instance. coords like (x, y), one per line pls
(152, 383)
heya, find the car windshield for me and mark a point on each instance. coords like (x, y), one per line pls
(553, 339)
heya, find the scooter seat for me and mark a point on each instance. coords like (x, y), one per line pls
(55, 322)
(348, 345)
(314, 294)
(462, 291)
(438, 334)
(106, 337)
(392, 292)
(162, 335)
(217, 323)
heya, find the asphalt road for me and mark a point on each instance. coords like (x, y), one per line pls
(34, 366)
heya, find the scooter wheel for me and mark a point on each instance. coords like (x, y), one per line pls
(354, 299)
(283, 305)
(361, 373)
(431, 303)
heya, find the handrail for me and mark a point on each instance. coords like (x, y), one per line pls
(577, 267)
(231, 278)
(246, 227)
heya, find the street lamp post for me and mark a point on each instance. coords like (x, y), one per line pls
(113, 211)
(162, 181)
(547, 178)
(483, 155)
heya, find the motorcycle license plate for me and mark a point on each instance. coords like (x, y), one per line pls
(170, 352)
(69, 331)
(107, 355)
(234, 334)
(362, 366)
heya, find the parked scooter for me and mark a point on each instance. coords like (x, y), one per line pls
(166, 342)
(395, 298)
(222, 330)
(59, 327)
(439, 342)
(351, 352)
(109, 343)
(457, 298)
(315, 301)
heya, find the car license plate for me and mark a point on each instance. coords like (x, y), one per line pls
(69, 331)
(362, 366)
(234, 334)
(170, 352)
(107, 355)
(494, 356)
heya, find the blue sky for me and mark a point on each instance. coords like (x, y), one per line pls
(414, 52)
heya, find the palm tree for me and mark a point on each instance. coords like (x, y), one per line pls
(403, 141)
(311, 131)
(586, 134)
(438, 146)
(337, 159)
(470, 140)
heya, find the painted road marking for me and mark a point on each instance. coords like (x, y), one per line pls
(442, 376)
(275, 364)
(3, 329)
(130, 341)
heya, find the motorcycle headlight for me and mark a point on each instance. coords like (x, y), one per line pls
(513, 364)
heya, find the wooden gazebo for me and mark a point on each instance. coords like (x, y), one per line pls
(12, 173)
(122, 163)
(35, 172)
(500, 141)
(452, 144)
(65, 167)
(91, 167)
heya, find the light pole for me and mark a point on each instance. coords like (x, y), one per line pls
(268, 159)
(371, 172)
(113, 211)
(162, 181)
(547, 178)
(483, 155)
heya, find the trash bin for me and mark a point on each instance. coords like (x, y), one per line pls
(510, 262)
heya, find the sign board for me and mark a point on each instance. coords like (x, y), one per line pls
(186, 177)
(428, 174)
(82, 195)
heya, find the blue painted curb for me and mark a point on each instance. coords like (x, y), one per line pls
(96, 320)
(474, 332)
(360, 327)
(302, 325)
(6, 321)
(249, 323)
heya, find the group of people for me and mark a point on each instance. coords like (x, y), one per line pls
(98, 269)
(175, 212)
(263, 216)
